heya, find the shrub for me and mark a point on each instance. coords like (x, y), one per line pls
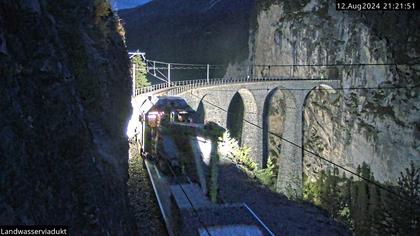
(268, 175)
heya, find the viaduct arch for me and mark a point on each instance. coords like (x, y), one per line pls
(214, 102)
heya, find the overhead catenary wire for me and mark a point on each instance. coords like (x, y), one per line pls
(316, 155)
(335, 64)
(318, 88)
(188, 66)
(182, 64)
(293, 65)
(159, 66)
(180, 68)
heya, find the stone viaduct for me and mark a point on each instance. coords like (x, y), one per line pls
(213, 99)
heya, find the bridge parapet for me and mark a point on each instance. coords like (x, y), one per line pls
(181, 86)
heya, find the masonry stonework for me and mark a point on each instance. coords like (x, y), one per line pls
(216, 100)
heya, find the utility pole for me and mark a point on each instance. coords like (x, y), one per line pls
(208, 73)
(169, 75)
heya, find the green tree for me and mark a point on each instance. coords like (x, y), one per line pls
(364, 207)
(140, 72)
(364, 202)
(311, 189)
(401, 215)
(352, 202)
(331, 192)
(345, 204)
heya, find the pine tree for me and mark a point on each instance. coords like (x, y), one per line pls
(330, 193)
(401, 214)
(345, 208)
(409, 188)
(141, 72)
(361, 201)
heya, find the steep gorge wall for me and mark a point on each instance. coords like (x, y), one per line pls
(65, 100)
(185, 31)
(378, 126)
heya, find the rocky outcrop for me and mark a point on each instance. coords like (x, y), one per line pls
(65, 92)
(379, 125)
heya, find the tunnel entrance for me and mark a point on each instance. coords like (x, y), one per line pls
(235, 117)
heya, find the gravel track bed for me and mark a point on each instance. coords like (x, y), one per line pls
(142, 199)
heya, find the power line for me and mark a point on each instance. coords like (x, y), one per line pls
(315, 154)
(182, 68)
(294, 65)
(326, 88)
(337, 64)
(184, 64)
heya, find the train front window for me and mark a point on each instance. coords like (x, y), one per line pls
(180, 103)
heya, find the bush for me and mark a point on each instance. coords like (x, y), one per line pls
(241, 157)
(268, 175)
(229, 148)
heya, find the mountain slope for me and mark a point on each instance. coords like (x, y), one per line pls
(201, 31)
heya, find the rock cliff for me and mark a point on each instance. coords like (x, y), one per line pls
(65, 99)
(379, 125)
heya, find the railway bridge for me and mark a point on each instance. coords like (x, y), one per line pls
(213, 100)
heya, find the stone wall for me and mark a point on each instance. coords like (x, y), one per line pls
(65, 99)
(215, 102)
